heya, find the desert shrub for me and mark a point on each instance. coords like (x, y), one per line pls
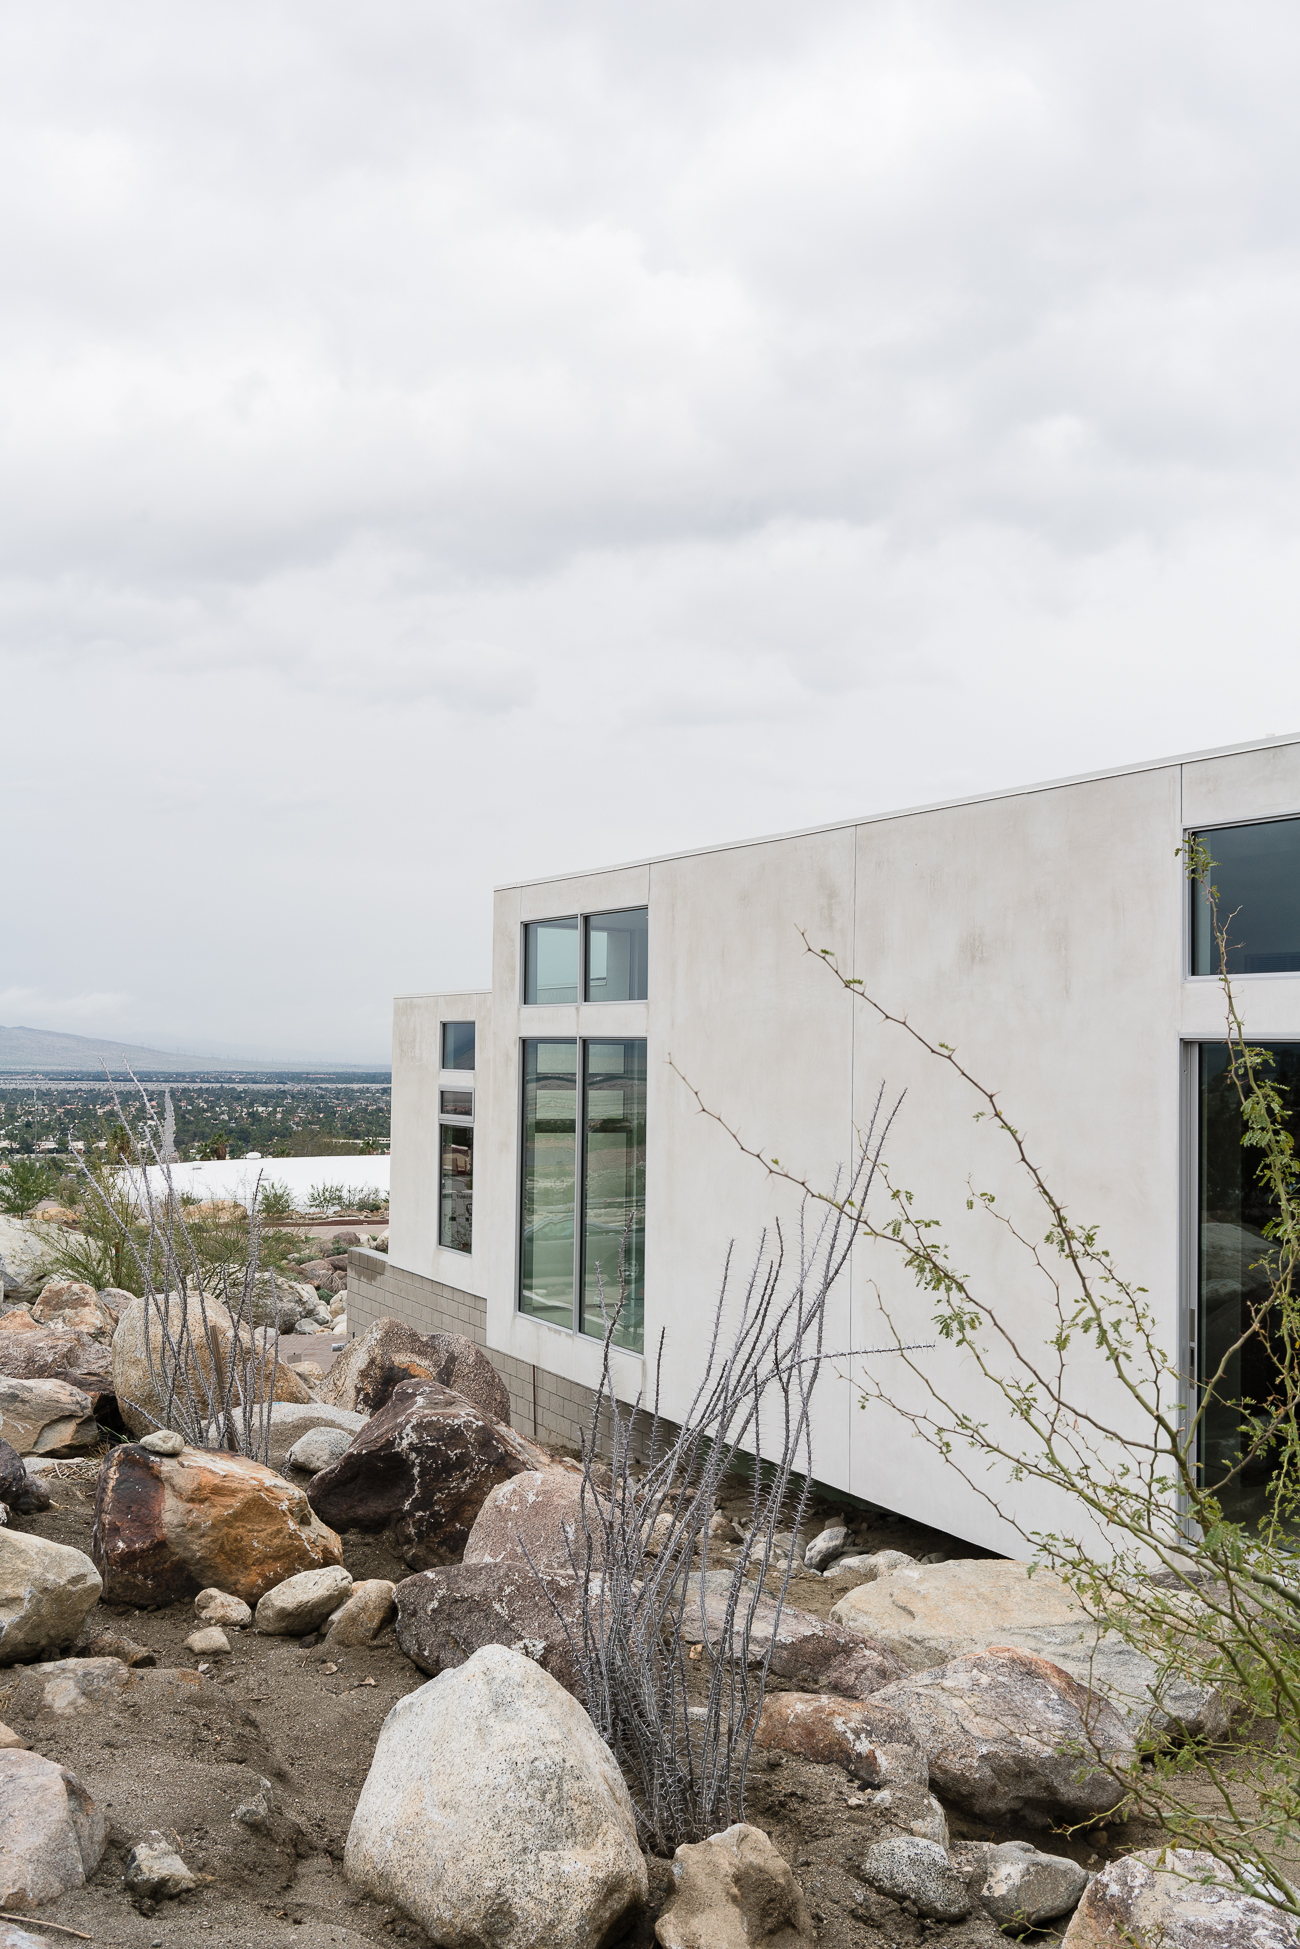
(23, 1183)
(362, 1197)
(215, 1383)
(277, 1200)
(643, 1552)
(325, 1198)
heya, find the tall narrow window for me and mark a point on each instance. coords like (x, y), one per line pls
(613, 1203)
(458, 1045)
(551, 961)
(1257, 877)
(456, 1170)
(1239, 1368)
(617, 956)
(550, 1181)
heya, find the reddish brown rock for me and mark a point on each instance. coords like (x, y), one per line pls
(167, 1527)
(1008, 1733)
(444, 1616)
(388, 1353)
(808, 1652)
(873, 1742)
(68, 1303)
(421, 1469)
(536, 1518)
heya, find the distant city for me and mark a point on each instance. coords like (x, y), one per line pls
(276, 1114)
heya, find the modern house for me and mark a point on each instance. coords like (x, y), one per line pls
(545, 1143)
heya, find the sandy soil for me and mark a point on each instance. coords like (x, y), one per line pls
(181, 1753)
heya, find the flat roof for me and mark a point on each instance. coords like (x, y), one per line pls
(906, 812)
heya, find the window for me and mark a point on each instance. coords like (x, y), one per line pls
(456, 1168)
(551, 961)
(1257, 875)
(458, 1045)
(1233, 1280)
(582, 1196)
(616, 956)
(550, 1178)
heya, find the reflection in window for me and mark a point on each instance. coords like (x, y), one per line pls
(456, 1103)
(616, 956)
(549, 1187)
(458, 1045)
(613, 1228)
(1234, 1278)
(456, 1215)
(1257, 878)
(551, 961)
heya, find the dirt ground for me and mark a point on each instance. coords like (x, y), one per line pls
(180, 1749)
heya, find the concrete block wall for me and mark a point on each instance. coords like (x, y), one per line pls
(542, 1404)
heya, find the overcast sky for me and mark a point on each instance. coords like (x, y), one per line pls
(443, 444)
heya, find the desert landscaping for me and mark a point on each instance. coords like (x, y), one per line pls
(341, 1695)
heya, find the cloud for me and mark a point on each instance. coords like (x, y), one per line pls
(443, 444)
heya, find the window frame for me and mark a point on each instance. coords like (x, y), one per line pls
(584, 916)
(1191, 833)
(580, 1135)
(457, 1121)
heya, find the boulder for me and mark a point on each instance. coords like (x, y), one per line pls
(154, 1868)
(734, 1891)
(276, 1299)
(45, 1417)
(205, 1334)
(368, 1609)
(46, 1590)
(219, 1607)
(805, 1650)
(19, 1490)
(167, 1527)
(875, 1743)
(868, 1568)
(70, 1304)
(447, 1614)
(495, 1816)
(535, 1517)
(116, 1299)
(52, 1354)
(74, 1685)
(18, 1320)
(908, 1869)
(300, 1603)
(1178, 1898)
(420, 1469)
(316, 1449)
(52, 1832)
(1006, 1733)
(1022, 1887)
(831, 1543)
(928, 1613)
(9, 1739)
(291, 1420)
(389, 1352)
(163, 1441)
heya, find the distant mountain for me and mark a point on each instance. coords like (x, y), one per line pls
(47, 1049)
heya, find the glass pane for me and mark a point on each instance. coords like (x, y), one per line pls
(456, 1103)
(455, 1223)
(613, 1232)
(1233, 1275)
(551, 961)
(458, 1045)
(616, 956)
(1257, 875)
(549, 1180)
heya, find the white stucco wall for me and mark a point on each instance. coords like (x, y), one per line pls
(1041, 932)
